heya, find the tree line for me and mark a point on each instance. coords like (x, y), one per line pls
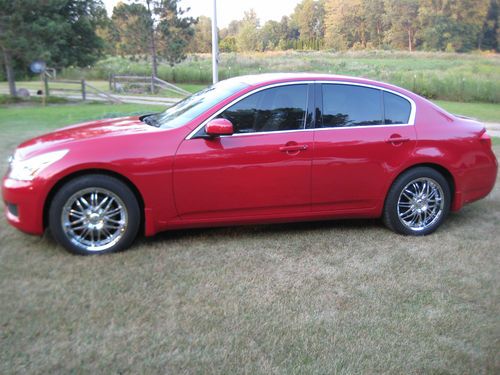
(79, 32)
(431, 25)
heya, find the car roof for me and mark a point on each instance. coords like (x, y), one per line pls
(256, 80)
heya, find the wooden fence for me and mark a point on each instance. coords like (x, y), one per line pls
(72, 88)
(151, 84)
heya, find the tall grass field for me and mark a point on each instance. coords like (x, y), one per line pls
(445, 76)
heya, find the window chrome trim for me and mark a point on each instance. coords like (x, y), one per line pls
(411, 119)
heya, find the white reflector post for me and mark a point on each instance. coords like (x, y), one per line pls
(215, 46)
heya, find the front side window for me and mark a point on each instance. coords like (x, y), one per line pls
(274, 109)
(348, 105)
(191, 107)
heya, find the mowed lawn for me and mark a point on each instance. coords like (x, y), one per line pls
(334, 297)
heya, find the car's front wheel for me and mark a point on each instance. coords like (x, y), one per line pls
(417, 202)
(94, 214)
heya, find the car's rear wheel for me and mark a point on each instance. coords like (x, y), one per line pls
(94, 214)
(418, 202)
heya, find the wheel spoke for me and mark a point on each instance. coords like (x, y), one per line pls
(113, 212)
(85, 232)
(409, 214)
(113, 221)
(93, 199)
(75, 213)
(78, 221)
(104, 200)
(405, 194)
(85, 202)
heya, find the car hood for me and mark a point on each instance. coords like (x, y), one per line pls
(86, 131)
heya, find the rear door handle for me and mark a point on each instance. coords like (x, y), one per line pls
(293, 148)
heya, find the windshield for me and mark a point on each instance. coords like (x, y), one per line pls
(194, 105)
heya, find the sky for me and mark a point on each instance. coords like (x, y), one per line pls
(228, 10)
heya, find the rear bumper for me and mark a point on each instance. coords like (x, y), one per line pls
(23, 205)
(476, 184)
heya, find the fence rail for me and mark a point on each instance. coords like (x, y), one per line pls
(119, 82)
(84, 88)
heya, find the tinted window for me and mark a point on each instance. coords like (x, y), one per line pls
(274, 109)
(347, 105)
(397, 109)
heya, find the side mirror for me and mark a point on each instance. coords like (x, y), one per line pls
(218, 127)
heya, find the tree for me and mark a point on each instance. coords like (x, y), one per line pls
(202, 38)
(248, 38)
(490, 35)
(402, 16)
(271, 35)
(228, 44)
(130, 30)
(169, 31)
(452, 25)
(309, 18)
(60, 32)
(175, 31)
(374, 11)
(345, 24)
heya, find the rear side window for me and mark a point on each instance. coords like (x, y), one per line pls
(275, 109)
(397, 109)
(348, 105)
(351, 105)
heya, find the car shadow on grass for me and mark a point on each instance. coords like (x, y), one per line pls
(246, 231)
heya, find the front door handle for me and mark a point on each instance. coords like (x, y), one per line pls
(396, 139)
(293, 148)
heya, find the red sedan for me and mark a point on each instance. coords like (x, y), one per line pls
(253, 149)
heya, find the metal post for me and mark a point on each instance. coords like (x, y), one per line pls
(152, 84)
(84, 94)
(110, 79)
(215, 45)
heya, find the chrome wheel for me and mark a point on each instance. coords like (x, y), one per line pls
(420, 204)
(94, 219)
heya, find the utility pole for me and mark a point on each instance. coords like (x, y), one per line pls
(151, 21)
(215, 46)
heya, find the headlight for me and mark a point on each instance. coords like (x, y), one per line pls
(26, 170)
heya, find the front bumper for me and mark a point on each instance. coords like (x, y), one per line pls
(23, 205)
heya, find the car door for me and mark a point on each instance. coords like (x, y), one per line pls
(264, 168)
(362, 136)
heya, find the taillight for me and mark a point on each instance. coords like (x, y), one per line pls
(485, 139)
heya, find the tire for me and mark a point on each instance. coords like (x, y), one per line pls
(94, 214)
(418, 202)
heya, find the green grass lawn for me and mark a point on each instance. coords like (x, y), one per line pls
(337, 297)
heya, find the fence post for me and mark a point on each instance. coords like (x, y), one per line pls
(84, 94)
(110, 79)
(152, 84)
(46, 84)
